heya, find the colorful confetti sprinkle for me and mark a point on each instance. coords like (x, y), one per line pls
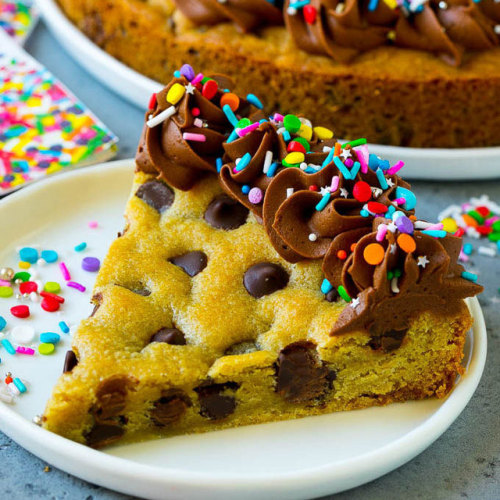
(18, 18)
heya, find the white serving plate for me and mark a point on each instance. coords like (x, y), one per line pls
(420, 163)
(304, 458)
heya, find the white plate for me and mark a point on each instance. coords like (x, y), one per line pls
(420, 163)
(297, 459)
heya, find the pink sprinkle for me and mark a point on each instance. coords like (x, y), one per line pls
(77, 286)
(188, 136)
(4, 283)
(361, 159)
(466, 207)
(197, 79)
(64, 271)
(198, 123)
(381, 232)
(491, 220)
(278, 117)
(93, 224)
(463, 257)
(335, 183)
(435, 227)
(400, 201)
(25, 350)
(255, 195)
(246, 130)
(396, 167)
(349, 163)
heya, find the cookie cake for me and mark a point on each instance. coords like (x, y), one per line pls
(266, 271)
(415, 73)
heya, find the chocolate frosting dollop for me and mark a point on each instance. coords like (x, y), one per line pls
(430, 279)
(247, 15)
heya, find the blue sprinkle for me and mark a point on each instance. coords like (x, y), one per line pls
(329, 158)
(384, 165)
(253, 99)
(28, 254)
(64, 327)
(232, 137)
(324, 201)
(364, 213)
(286, 136)
(49, 338)
(468, 249)
(218, 164)
(245, 189)
(272, 169)
(177, 74)
(18, 383)
(435, 233)
(310, 170)
(299, 4)
(343, 169)
(390, 211)
(263, 121)
(372, 5)
(80, 247)
(410, 198)
(49, 256)
(244, 161)
(355, 169)
(230, 115)
(8, 346)
(326, 286)
(3, 323)
(381, 178)
(373, 161)
(469, 276)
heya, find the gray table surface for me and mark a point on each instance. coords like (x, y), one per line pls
(463, 463)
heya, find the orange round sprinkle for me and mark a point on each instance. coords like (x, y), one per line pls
(353, 246)
(412, 217)
(406, 243)
(374, 253)
(342, 254)
(232, 100)
(470, 221)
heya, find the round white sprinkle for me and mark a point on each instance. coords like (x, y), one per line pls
(23, 334)
(313, 237)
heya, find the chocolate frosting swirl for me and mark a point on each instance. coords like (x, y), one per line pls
(247, 15)
(431, 280)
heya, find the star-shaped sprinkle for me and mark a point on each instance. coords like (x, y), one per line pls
(355, 303)
(345, 154)
(190, 88)
(324, 190)
(344, 193)
(423, 261)
(393, 248)
(390, 182)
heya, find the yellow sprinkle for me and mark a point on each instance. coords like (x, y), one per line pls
(449, 225)
(24, 265)
(294, 158)
(323, 133)
(306, 132)
(175, 93)
(391, 3)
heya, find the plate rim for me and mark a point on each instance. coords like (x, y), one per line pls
(53, 16)
(349, 472)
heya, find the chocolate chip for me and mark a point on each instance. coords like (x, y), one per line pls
(388, 341)
(241, 348)
(191, 263)
(265, 278)
(300, 376)
(332, 295)
(70, 361)
(225, 213)
(170, 407)
(169, 336)
(156, 194)
(111, 397)
(214, 404)
(139, 289)
(104, 434)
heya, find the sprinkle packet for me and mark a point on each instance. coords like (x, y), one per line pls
(44, 129)
(18, 18)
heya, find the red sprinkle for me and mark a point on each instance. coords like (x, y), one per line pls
(483, 211)
(295, 147)
(210, 89)
(362, 191)
(484, 230)
(8, 380)
(310, 14)
(152, 102)
(376, 208)
(28, 287)
(20, 311)
(52, 296)
(342, 254)
(195, 112)
(313, 187)
(49, 304)
(459, 232)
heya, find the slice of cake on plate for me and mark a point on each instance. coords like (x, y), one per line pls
(266, 272)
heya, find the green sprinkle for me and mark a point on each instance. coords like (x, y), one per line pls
(496, 226)
(494, 236)
(6, 292)
(244, 122)
(292, 123)
(304, 143)
(52, 287)
(46, 349)
(476, 216)
(343, 293)
(397, 273)
(22, 275)
(390, 275)
(357, 142)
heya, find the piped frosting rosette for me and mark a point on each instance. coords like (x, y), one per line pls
(247, 15)
(260, 150)
(396, 272)
(186, 127)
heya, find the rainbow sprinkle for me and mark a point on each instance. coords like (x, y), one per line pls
(18, 18)
(43, 127)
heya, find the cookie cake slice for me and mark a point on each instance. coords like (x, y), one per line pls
(266, 272)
